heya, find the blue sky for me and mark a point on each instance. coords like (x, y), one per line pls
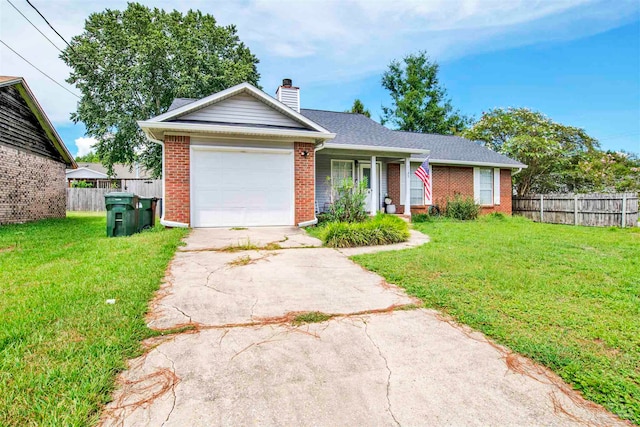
(577, 61)
(592, 83)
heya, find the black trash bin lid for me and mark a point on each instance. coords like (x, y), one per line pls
(119, 194)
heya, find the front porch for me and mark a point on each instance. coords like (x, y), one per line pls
(388, 180)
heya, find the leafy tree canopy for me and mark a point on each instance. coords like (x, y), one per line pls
(358, 108)
(420, 103)
(553, 152)
(129, 65)
(612, 171)
(90, 157)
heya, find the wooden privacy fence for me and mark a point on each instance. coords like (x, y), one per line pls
(597, 209)
(92, 199)
(143, 187)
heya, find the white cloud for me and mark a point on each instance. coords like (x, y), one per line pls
(85, 145)
(315, 42)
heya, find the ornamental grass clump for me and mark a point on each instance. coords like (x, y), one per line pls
(380, 230)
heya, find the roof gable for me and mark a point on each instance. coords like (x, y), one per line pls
(85, 173)
(18, 89)
(205, 110)
(242, 108)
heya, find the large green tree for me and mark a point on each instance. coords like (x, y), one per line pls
(553, 152)
(420, 102)
(129, 65)
(359, 108)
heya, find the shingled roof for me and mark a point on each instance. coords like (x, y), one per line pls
(356, 129)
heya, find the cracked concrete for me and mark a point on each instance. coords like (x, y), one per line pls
(202, 239)
(402, 368)
(390, 367)
(210, 292)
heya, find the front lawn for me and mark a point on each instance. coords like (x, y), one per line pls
(568, 297)
(61, 344)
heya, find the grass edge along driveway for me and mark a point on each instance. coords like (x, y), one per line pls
(567, 297)
(61, 344)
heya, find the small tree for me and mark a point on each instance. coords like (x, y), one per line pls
(358, 108)
(420, 102)
(349, 202)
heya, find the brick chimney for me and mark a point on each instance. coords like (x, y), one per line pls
(289, 95)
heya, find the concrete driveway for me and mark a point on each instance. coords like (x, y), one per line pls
(377, 361)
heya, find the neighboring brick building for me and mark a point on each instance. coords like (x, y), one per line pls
(242, 158)
(33, 158)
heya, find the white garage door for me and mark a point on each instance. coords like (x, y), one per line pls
(233, 187)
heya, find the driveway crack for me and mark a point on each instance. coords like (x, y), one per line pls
(173, 390)
(183, 313)
(386, 364)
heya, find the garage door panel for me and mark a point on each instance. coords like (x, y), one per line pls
(234, 188)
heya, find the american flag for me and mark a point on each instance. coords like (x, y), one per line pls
(423, 173)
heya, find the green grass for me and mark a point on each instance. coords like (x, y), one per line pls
(311, 317)
(61, 345)
(567, 297)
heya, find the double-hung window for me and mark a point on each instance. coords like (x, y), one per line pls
(417, 187)
(486, 186)
(340, 170)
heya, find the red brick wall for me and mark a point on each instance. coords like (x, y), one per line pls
(176, 179)
(447, 182)
(304, 185)
(32, 187)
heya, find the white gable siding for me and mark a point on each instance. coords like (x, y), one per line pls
(244, 109)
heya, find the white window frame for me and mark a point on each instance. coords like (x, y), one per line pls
(353, 173)
(414, 168)
(490, 186)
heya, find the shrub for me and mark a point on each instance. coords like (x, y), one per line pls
(420, 217)
(349, 204)
(81, 184)
(463, 208)
(381, 230)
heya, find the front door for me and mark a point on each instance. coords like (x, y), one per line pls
(364, 172)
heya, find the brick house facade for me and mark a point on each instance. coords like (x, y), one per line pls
(34, 187)
(33, 158)
(449, 181)
(242, 158)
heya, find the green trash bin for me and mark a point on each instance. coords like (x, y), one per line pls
(122, 214)
(146, 212)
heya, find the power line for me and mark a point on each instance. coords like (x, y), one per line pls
(49, 24)
(34, 26)
(42, 72)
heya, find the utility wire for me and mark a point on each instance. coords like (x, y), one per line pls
(43, 73)
(49, 24)
(34, 26)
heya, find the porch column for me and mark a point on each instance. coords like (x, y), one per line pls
(407, 186)
(374, 186)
